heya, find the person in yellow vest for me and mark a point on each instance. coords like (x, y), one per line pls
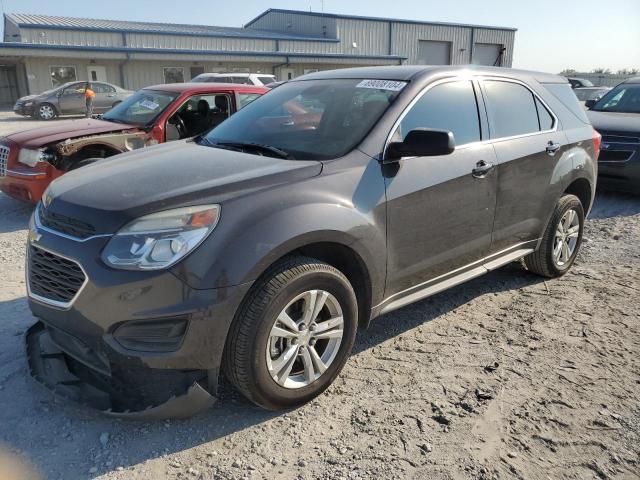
(89, 95)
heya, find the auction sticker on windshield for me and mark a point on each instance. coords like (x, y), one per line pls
(391, 85)
(149, 104)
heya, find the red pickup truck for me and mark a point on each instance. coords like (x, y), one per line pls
(31, 159)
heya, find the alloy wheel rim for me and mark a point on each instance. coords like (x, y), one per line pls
(566, 237)
(46, 111)
(305, 339)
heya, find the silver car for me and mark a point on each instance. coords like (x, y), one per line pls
(68, 99)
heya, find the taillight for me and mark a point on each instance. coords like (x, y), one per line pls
(597, 140)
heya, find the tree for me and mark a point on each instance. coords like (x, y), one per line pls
(605, 71)
(628, 71)
(568, 71)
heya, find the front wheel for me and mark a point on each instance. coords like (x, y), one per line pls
(46, 111)
(292, 335)
(561, 240)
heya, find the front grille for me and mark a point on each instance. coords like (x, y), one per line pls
(63, 224)
(4, 156)
(614, 155)
(619, 139)
(53, 277)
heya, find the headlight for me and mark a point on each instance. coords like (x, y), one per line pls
(31, 157)
(28, 103)
(159, 240)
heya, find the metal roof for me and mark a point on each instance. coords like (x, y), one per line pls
(237, 53)
(375, 19)
(24, 20)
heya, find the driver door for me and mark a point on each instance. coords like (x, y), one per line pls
(72, 100)
(439, 214)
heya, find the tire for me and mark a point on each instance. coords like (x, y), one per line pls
(46, 111)
(253, 352)
(543, 261)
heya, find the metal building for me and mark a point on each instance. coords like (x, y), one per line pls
(40, 52)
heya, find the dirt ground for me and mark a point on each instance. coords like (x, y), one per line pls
(507, 376)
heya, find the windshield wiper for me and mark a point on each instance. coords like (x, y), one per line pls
(255, 146)
(114, 120)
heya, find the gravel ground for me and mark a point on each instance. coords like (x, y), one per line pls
(507, 376)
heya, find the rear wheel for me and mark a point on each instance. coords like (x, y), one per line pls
(293, 334)
(561, 241)
(46, 111)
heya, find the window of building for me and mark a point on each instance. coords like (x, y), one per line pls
(449, 106)
(512, 109)
(62, 75)
(173, 74)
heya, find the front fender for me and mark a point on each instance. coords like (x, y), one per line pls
(256, 230)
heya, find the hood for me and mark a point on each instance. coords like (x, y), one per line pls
(28, 97)
(615, 121)
(56, 131)
(127, 186)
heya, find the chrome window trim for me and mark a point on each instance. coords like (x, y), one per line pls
(39, 226)
(489, 140)
(45, 300)
(481, 79)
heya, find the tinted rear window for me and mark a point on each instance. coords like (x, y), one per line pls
(564, 93)
(512, 109)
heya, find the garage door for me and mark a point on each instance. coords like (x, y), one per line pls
(434, 53)
(486, 53)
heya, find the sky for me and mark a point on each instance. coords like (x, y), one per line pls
(552, 34)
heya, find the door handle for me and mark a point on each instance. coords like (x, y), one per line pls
(552, 147)
(482, 168)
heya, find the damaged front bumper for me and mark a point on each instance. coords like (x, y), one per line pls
(62, 374)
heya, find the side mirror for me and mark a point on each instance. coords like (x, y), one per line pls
(589, 104)
(422, 142)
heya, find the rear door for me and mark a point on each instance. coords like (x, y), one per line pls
(105, 96)
(528, 144)
(439, 215)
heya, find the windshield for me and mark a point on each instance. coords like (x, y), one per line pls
(310, 120)
(584, 94)
(141, 108)
(624, 98)
(202, 78)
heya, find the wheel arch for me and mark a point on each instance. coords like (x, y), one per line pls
(338, 254)
(581, 188)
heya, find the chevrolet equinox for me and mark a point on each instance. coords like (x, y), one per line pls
(259, 248)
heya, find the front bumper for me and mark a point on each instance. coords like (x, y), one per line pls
(26, 111)
(83, 333)
(26, 184)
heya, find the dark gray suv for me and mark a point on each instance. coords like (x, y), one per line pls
(259, 248)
